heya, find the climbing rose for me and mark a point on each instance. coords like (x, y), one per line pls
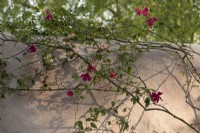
(90, 68)
(145, 11)
(70, 93)
(156, 97)
(48, 15)
(138, 11)
(86, 77)
(32, 48)
(150, 21)
(154, 19)
(113, 74)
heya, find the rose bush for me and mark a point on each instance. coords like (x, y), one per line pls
(41, 33)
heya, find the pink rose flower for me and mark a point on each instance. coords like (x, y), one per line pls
(32, 48)
(138, 12)
(155, 97)
(151, 20)
(86, 77)
(91, 68)
(70, 93)
(48, 15)
(113, 74)
(145, 11)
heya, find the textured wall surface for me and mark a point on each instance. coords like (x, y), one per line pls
(54, 112)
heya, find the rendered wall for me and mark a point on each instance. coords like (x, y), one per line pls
(54, 112)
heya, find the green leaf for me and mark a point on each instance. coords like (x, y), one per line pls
(26, 15)
(115, 111)
(41, 6)
(147, 90)
(65, 61)
(75, 76)
(93, 125)
(129, 69)
(147, 102)
(2, 27)
(134, 100)
(134, 36)
(79, 124)
(97, 110)
(113, 103)
(122, 48)
(81, 97)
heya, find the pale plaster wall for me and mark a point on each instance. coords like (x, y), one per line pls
(54, 112)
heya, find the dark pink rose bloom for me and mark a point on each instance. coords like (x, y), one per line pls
(154, 19)
(113, 74)
(138, 12)
(32, 48)
(91, 68)
(86, 77)
(151, 20)
(145, 11)
(155, 97)
(70, 93)
(48, 15)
